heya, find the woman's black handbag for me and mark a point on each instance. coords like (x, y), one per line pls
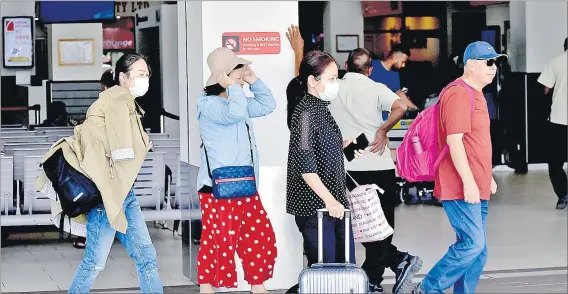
(76, 193)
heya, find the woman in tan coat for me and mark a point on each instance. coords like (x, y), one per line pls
(112, 147)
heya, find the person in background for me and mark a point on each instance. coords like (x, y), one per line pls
(358, 110)
(114, 148)
(315, 169)
(225, 125)
(295, 90)
(386, 71)
(107, 80)
(297, 44)
(57, 116)
(554, 76)
(464, 181)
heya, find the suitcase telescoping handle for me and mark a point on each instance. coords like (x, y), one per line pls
(347, 218)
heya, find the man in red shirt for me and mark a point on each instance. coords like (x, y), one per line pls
(464, 180)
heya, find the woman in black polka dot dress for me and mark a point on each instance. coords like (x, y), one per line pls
(316, 173)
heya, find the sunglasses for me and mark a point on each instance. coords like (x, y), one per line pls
(491, 62)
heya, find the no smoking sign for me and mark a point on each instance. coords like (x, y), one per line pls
(231, 42)
(253, 43)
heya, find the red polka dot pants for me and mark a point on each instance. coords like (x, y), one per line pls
(240, 225)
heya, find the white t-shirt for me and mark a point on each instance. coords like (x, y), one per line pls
(554, 76)
(358, 109)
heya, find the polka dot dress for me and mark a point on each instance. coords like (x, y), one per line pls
(316, 146)
(238, 225)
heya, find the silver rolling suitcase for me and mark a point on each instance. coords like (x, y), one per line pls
(333, 278)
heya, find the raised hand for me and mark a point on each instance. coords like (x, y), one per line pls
(224, 80)
(250, 76)
(295, 38)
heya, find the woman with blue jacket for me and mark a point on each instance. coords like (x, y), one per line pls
(232, 225)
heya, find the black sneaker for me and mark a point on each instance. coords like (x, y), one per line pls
(562, 203)
(405, 271)
(375, 288)
(431, 200)
(411, 199)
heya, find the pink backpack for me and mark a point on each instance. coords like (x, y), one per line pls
(418, 158)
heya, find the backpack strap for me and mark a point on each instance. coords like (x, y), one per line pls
(457, 82)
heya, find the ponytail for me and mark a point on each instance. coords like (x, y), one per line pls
(294, 94)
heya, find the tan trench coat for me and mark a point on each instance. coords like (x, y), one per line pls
(110, 148)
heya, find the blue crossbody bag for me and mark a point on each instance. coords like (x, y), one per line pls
(233, 181)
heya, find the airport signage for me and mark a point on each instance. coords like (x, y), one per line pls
(18, 42)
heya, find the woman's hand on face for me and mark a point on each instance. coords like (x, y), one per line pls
(224, 80)
(250, 76)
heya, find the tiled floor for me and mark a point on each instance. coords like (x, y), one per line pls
(527, 241)
(550, 281)
(52, 264)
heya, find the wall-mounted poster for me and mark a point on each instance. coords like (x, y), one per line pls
(346, 43)
(76, 52)
(18, 41)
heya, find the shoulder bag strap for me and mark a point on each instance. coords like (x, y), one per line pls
(250, 143)
(458, 82)
(207, 157)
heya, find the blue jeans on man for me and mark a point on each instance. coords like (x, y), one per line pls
(100, 237)
(463, 264)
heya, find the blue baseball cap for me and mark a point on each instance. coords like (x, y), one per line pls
(480, 50)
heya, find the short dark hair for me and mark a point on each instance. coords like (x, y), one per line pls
(399, 48)
(55, 110)
(314, 64)
(565, 44)
(216, 89)
(360, 61)
(124, 64)
(107, 79)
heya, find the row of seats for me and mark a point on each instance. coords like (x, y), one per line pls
(23, 150)
(47, 135)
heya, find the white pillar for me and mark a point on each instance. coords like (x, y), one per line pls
(169, 62)
(164, 17)
(200, 29)
(538, 30)
(341, 18)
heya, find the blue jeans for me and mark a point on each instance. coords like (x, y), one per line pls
(462, 266)
(137, 242)
(333, 239)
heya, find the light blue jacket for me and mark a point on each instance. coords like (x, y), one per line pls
(223, 129)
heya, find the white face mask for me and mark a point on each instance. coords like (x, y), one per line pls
(140, 88)
(330, 91)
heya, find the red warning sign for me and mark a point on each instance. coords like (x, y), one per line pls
(253, 43)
